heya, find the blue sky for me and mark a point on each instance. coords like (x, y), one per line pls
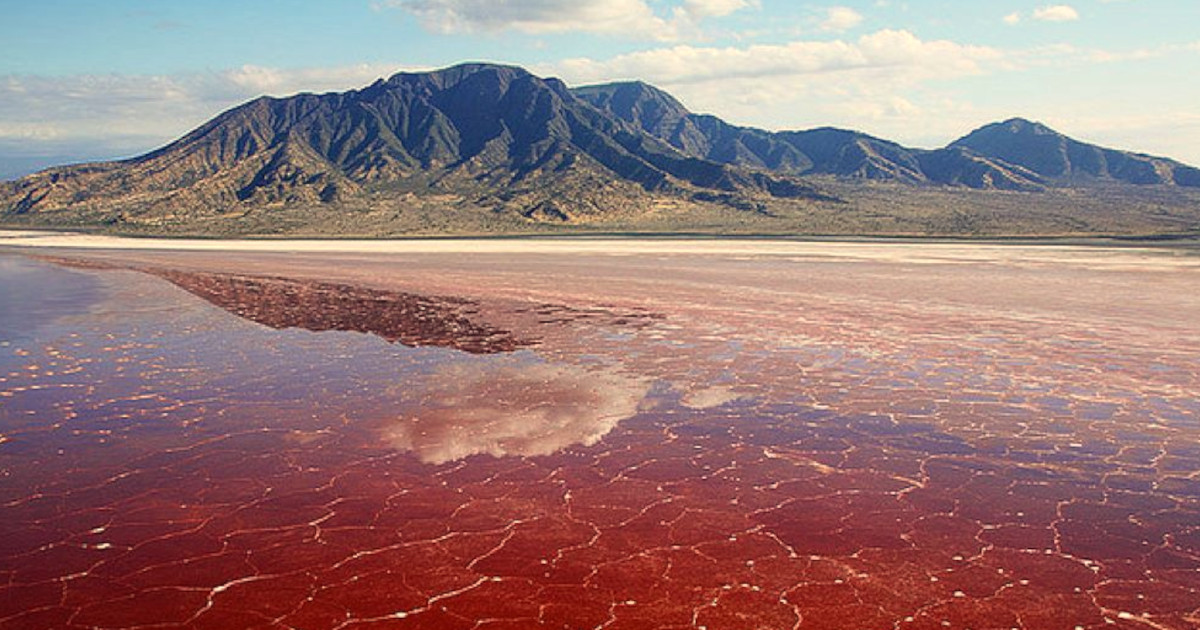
(84, 80)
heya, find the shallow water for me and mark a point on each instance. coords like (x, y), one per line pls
(821, 465)
(36, 294)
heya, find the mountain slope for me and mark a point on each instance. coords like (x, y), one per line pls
(823, 151)
(476, 129)
(1052, 155)
(481, 148)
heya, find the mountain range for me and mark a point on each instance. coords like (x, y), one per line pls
(491, 148)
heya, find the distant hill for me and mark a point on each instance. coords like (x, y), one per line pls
(1052, 155)
(490, 148)
(1012, 155)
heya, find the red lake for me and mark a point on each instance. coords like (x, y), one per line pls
(680, 435)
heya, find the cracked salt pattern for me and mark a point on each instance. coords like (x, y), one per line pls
(805, 460)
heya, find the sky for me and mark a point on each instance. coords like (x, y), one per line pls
(83, 80)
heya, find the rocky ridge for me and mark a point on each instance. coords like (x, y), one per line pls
(483, 147)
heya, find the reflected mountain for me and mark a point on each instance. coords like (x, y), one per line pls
(410, 319)
(514, 409)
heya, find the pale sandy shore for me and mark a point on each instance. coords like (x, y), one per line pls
(1132, 258)
(1147, 292)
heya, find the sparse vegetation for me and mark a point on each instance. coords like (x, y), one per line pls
(483, 149)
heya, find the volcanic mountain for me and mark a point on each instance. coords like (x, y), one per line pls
(485, 133)
(486, 148)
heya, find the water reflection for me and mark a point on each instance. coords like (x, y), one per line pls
(514, 408)
(708, 397)
(34, 294)
(413, 320)
(894, 470)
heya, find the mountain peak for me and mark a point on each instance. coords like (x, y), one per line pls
(460, 71)
(634, 101)
(454, 75)
(1038, 148)
(1018, 126)
(494, 136)
(627, 90)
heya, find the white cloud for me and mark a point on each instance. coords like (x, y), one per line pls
(1066, 55)
(35, 131)
(518, 410)
(1012, 18)
(632, 18)
(537, 16)
(838, 19)
(879, 82)
(274, 81)
(901, 52)
(1056, 13)
(120, 115)
(715, 8)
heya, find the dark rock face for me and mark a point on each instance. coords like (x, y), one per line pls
(657, 113)
(957, 166)
(1050, 154)
(823, 151)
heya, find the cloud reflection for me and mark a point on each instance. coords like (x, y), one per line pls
(514, 409)
(709, 397)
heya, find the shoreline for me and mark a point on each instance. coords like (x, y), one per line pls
(721, 251)
(1177, 241)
